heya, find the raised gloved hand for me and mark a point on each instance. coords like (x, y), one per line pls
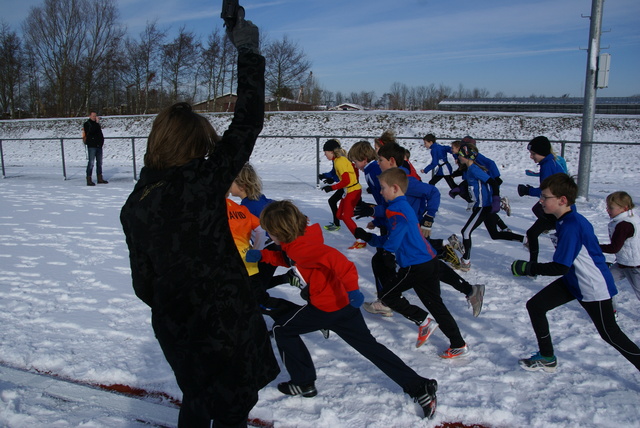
(495, 204)
(532, 173)
(521, 268)
(523, 189)
(244, 35)
(356, 298)
(253, 256)
(360, 233)
(364, 210)
(327, 188)
(454, 192)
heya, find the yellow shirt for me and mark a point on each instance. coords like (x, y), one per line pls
(342, 165)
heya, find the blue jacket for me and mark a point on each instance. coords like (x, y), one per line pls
(478, 188)
(489, 165)
(424, 198)
(256, 207)
(589, 278)
(439, 159)
(371, 172)
(403, 237)
(548, 166)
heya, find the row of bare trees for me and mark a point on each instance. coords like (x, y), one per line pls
(75, 56)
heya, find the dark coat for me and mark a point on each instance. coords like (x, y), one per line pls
(186, 267)
(93, 131)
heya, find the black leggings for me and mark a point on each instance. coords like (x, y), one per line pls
(490, 220)
(543, 222)
(601, 313)
(333, 204)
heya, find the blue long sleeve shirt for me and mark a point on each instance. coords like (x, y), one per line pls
(403, 237)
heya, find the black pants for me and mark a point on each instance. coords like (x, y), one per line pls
(425, 281)
(452, 184)
(601, 313)
(349, 325)
(490, 220)
(543, 222)
(333, 204)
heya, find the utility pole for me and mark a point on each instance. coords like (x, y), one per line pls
(589, 109)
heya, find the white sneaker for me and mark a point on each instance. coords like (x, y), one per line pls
(456, 244)
(378, 307)
(452, 353)
(465, 265)
(504, 204)
(476, 298)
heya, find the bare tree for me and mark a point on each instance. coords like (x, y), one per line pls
(11, 64)
(286, 68)
(71, 41)
(211, 62)
(104, 36)
(143, 59)
(179, 60)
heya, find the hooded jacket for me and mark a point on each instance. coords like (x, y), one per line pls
(328, 272)
(185, 265)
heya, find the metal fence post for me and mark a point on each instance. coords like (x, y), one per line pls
(317, 161)
(133, 151)
(2, 160)
(64, 167)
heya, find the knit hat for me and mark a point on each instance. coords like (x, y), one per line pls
(469, 139)
(330, 145)
(540, 145)
(468, 152)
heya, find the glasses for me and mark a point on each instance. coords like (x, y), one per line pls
(544, 197)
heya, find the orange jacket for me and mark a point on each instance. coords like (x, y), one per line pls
(328, 272)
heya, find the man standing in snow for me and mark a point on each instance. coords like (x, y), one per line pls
(94, 141)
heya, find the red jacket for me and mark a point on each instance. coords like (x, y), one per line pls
(328, 272)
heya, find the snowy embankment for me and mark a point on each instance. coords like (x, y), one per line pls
(67, 306)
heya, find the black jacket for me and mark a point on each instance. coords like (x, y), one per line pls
(93, 131)
(186, 267)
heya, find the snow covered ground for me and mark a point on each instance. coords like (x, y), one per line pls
(67, 307)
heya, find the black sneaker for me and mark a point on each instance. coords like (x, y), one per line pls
(427, 399)
(289, 388)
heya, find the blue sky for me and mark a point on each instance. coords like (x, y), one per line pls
(517, 47)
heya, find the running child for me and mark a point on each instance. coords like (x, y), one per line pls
(624, 231)
(482, 188)
(540, 152)
(334, 302)
(418, 267)
(440, 166)
(585, 277)
(348, 181)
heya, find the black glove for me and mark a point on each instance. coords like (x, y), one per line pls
(454, 192)
(427, 221)
(327, 189)
(523, 189)
(521, 268)
(360, 233)
(244, 35)
(364, 210)
(325, 178)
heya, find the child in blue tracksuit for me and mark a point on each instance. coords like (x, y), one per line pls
(439, 161)
(540, 152)
(481, 188)
(418, 266)
(585, 277)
